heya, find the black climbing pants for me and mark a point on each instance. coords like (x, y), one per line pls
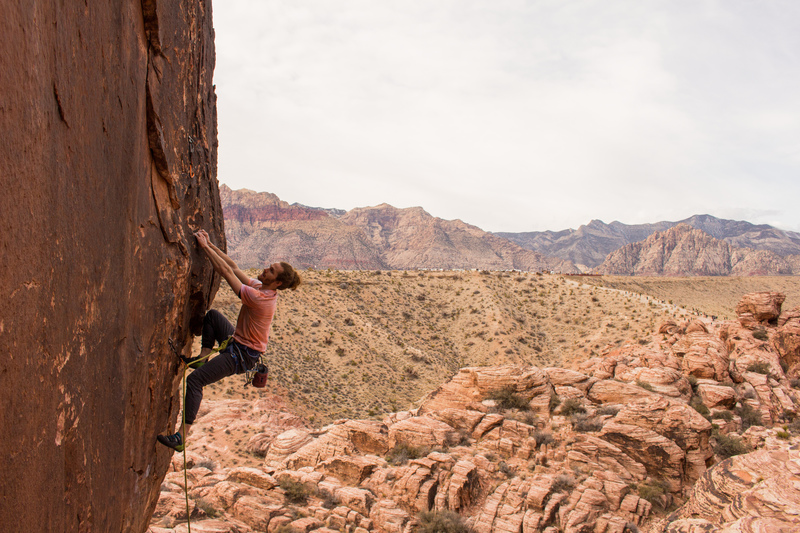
(234, 359)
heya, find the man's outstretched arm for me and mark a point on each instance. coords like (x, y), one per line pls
(244, 278)
(219, 264)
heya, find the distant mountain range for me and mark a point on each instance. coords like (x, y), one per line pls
(260, 227)
(589, 245)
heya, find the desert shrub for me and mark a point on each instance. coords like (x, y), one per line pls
(329, 500)
(505, 469)
(749, 416)
(653, 490)
(697, 404)
(507, 398)
(645, 385)
(760, 367)
(563, 483)
(728, 446)
(795, 383)
(543, 437)
(693, 383)
(586, 424)
(527, 417)
(724, 415)
(296, 492)
(555, 401)
(206, 464)
(209, 510)
(572, 406)
(608, 410)
(441, 522)
(402, 452)
(761, 334)
(782, 434)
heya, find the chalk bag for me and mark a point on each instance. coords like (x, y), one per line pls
(260, 377)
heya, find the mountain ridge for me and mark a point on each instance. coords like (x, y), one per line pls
(382, 237)
(683, 250)
(591, 243)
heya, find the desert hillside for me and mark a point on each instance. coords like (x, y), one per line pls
(693, 427)
(360, 344)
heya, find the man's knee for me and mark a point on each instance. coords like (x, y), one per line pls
(212, 316)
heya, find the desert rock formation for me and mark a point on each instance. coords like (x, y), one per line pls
(591, 243)
(684, 251)
(260, 227)
(519, 448)
(108, 164)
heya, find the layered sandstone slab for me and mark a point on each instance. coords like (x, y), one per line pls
(108, 164)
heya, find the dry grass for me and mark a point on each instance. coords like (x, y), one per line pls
(716, 296)
(361, 344)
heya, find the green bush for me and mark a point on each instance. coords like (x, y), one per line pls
(555, 401)
(209, 510)
(507, 398)
(543, 437)
(724, 415)
(782, 434)
(608, 410)
(697, 404)
(653, 490)
(693, 383)
(586, 424)
(761, 334)
(402, 452)
(728, 446)
(563, 483)
(572, 406)
(749, 416)
(761, 367)
(441, 522)
(296, 492)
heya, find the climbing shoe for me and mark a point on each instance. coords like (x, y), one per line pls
(173, 441)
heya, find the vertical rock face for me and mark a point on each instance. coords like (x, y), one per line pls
(108, 163)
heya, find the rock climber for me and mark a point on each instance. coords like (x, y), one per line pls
(259, 300)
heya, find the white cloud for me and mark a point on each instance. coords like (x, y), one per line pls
(514, 115)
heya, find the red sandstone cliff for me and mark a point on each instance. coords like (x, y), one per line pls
(108, 163)
(261, 228)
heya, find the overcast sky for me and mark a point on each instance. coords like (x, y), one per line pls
(515, 115)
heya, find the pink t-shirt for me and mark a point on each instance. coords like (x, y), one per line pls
(255, 318)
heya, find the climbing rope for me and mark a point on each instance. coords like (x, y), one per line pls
(193, 364)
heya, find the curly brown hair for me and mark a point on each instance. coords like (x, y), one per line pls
(289, 278)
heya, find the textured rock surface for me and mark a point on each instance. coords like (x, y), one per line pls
(108, 164)
(626, 442)
(762, 485)
(381, 237)
(684, 251)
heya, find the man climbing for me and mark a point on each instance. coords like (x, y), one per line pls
(259, 300)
